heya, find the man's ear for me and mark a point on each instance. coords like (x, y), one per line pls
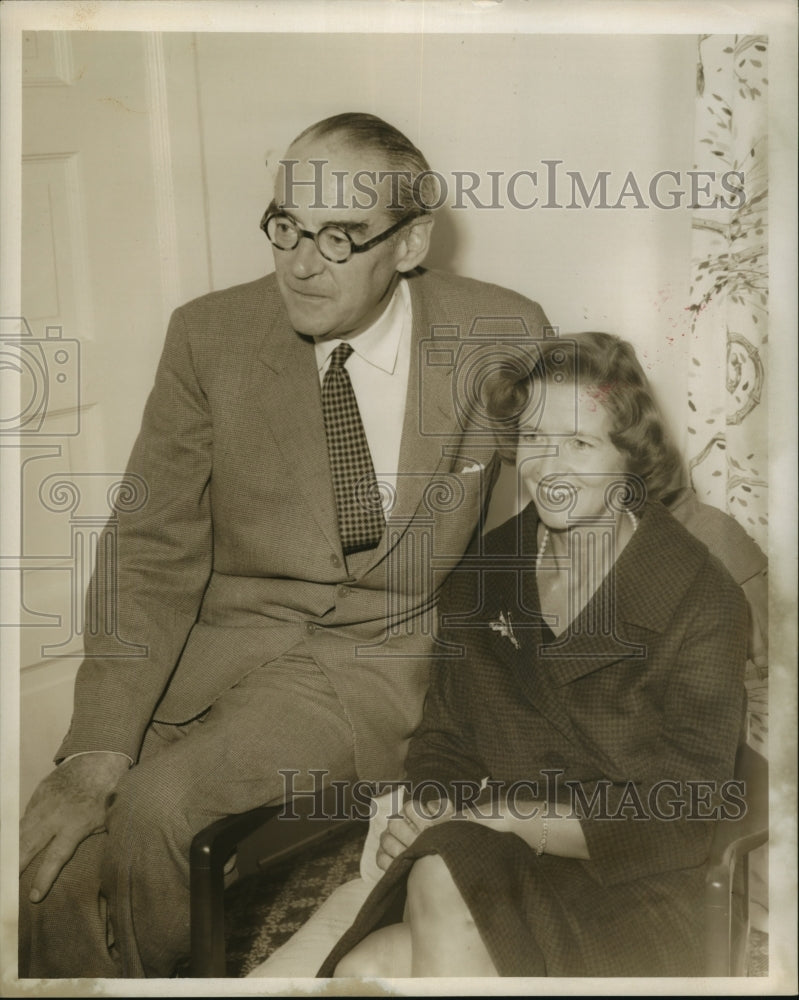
(414, 243)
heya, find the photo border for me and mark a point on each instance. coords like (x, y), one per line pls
(778, 20)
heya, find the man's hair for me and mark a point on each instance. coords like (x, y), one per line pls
(609, 367)
(415, 185)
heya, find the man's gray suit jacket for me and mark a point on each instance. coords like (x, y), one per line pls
(235, 556)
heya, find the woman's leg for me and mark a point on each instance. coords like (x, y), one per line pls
(385, 954)
(445, 940)
(437, 938)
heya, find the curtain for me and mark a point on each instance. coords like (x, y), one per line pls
(727, 412)
(727, 430)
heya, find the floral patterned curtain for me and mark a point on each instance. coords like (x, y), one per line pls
(727, 413)
(727, 430)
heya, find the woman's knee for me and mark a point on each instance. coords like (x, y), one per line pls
(432, 890)
(384, 954)
(355, 965)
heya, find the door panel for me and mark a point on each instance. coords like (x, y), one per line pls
(101, 272)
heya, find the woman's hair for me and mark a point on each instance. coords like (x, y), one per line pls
(607, 365)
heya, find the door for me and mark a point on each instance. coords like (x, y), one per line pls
(102, 268)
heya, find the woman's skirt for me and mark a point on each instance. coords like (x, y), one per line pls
(549, 916)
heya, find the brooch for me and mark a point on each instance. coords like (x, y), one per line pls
(505, 628)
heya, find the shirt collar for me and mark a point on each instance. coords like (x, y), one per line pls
(379, 343)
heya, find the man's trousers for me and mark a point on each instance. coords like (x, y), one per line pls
(121, 905)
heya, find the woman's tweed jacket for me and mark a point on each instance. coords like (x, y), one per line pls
(658, 699)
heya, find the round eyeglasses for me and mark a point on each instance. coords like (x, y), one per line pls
(333, 243)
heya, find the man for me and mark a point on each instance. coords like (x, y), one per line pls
(281, 574)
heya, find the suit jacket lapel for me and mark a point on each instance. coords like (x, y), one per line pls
(288, 374)
(627, 608)
(657, 551)
(501, 587)
(429, 387)
(532, 672)
(422, 446)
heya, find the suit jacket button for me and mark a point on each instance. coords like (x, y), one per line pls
(310, 628)
(334, 559)
(344, 591)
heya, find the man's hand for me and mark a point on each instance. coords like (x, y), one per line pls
(67, 806)
(402, 831)
(756, 591)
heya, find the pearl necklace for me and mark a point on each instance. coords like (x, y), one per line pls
(545, 540)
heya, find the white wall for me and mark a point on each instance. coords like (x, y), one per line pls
(168, 139)
(482, 103)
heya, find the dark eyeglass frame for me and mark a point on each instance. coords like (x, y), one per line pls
(272, 211)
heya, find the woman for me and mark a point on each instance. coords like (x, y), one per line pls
(599, 702)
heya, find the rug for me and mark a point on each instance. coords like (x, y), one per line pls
(263, 911)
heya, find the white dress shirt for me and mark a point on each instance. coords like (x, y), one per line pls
(378, 369)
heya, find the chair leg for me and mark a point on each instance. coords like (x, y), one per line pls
(741, 950)
(207, 922)
(718, 923)
(210, 850)
(727, 929)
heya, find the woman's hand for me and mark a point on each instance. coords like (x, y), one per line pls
(544, 827)
(402, 831)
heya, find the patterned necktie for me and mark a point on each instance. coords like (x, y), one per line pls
(360, 513)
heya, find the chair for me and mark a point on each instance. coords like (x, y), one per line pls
(727, 881)
(726, 888)
(258, 839)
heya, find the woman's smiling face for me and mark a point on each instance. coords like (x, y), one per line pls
(565, 459)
